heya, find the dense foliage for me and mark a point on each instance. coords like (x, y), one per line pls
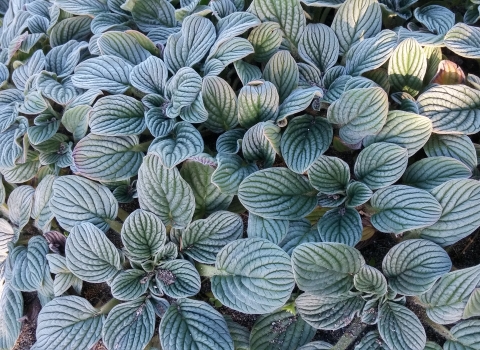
(263, 141)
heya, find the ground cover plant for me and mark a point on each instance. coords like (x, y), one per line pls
(169, 167)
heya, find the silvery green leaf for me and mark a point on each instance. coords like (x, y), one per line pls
(309, 76)
(360, 83)
(74, 28)
(266, 40)
(472, 309)
(77, 7)
(143, 235)
(178, 278)
(336, 88)
(407, 67)
(34, 103)
(459, 147)
(56, 150)
(241, 285)
(355, 21)
(319, 344)
(11, 310)
(288, 14)
(247, 72)
(431, 172)
(304, 140)
(359, 112)
(232, 50)
(230, 172)
(35, 64)
(372, 341)
(315, 36)
(30, 265)
(230, 141)
(8, 115)
(270, 229)
(109, 21)
(69, 323)
(150, 76)
(20, 203)
(75, 120)
(46, 126)
(422, 263)
(317, 309)
(434, 57)
(465, 336)
(458, 199)
(183, 142)
(341, 225)
(408, 130)
(329, 175)
(163, 192)
(41, 212)
(298, 101)
(223, 8)
(184, 325)
(383, 169)
(453, 109)
(221, 103)
(213, 67)
(23, 171)
(129, 285)
(139, 315)
(432, 346)
(10, 150)
(87, 98)
(203, 239)
(10, 96)
(261, 192)
(64, 279)
(423, 37)
(401, 208)
(93, 45)
(234, 25)
(258, 101)
(357, 193)
(472, 15)
(282, 71)
(188, 47)
(151, 14)
(240, 334)
(122, 45)
(38, 24)
(281, 328)
(332, 74)
(400, 328)
(160, 35)
(117, 115)
(474, 81)
(108, 73)
(7, 234)
(260, 143)
(326, 268)
(60, 92)
(299, 232)
(370, 280)
(437, 19)
(62, 59)
(76, 199)
(158, 123)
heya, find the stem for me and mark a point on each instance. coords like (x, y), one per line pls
(105, 309)
(350, 335)
(115, 225)
(142, 147)
(207, 270)
(122, 214)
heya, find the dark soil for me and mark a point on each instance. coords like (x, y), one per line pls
(29, 325)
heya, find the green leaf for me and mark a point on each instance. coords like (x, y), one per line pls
(343, 225)
(370, 280)
(355, 21)
(459, 147)
(230, 172)
(23, 172)
(62, 59)
(432, 346)
(371, 341)
(242, 286)
(298, 101)
(178, 279)
(60, 92)
(143, 235)
(230, 141)
(465, 336)
(151, 14)
(103, 158)
(11, 310)
(184, 325)
(329, 175)
(413, 266)
(281, 328)
(261, 143)
(472, 309)
(400, 327)
(437, 19)
(41, 211)
(108, 21)
(326, 268)
(74, 28)
(305, 139)
(68, 323)
(357, 193)
(76, 199)
(408, 130)
(407, 67)
(30, 265)
(64, 279)
(34, 65)
(20, 203)
(232, 50)
(129, 285)
(221, 103)
(150, 76)
(269, 229)
(429, 173)
(381, 164)
(266, 40)
(240, 334)
(258, 101)
(163, 192)
(464, 40)
(282, 71)
(299, 232)
(262, 192)
(359, 113)
(122, 45)
(203, 239)
(317, 345)
(6, 235)
(139, 315)
(319, 35)
(459, 218)
(76, 7)
(402, 208)
(90, 255)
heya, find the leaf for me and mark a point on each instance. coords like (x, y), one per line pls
(316, 345)
(342, 225)
(437, 19)
(429, 173)
(370, 280)
(371, 341)
(242, 286)
(266, 40)
(402, 208)
(422, 263)
(258, 101)
(221, 103)
(203, 239)
(355, 21)
(68, 322)
(41, 211)
(108, 73)
(315, 36)
(20, 203)
(316, 309)
(464, 336)
(400, 327)
(269, 229)
(463, 40)
(383, 169)
(150, 76)
(76, 7)
(326, 268)
(281, 328)
(261, 143)
(329, 175)
(129, 285)
(305, 139)
(247, 72)
(7, 234)
(458, 147)
(357, 193)
(282, 71)
(298, 101)
(230, 172)
(262, 191)
(90, 255)
(407, 67)
(458, 198)
(184, 325)
(240, 334)
(178, 279)
(8, 114)
(139, 315)
(143, 235)
(10, 150)
(359, 113)
(75, 120)
(76, 199)
(299, 232)
(453, 109)
(230, 141)
(151, 14)
(472, 309)
(11, 310)
(408, 130)
(449, 73)
(122, 45)
(34, 65)
(231, 51)
(109, 21)
(163, 192)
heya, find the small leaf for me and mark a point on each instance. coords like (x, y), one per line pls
(266, 40)
(329, 175)
(463, 40)
(221, 103)
(257, 102)
(230, 172)
(270, 229)
(342, 225)
(230, 141)
(282, 71)
(370, 280)
(178, 279)
(150, 76)
(151, 14)
(122, 45)
(129, 285)
(315, 36)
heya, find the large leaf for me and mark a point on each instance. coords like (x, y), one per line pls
(329, 175)
(464, 40)
(341, 225)
(221, 103)
(459, 147)
(261, 143)
(258, 101)
(266, 40)
(465, 336)
(241, 285)
(282, 71)
(151, 14)
(315, 36)
(270, 229)
(230, 172)
(150, 76)
(73, 28)
(277, 193)
(122, 45)
(76, 7)
(402, 208)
